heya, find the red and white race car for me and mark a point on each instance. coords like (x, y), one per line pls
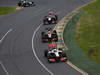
(54, 54)
(49, 35)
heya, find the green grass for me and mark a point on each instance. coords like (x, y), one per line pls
(88, 31)
(6, 10)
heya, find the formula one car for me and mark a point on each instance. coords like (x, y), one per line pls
(25, 3)
(55, 55)
(49, 35)
(51, 18)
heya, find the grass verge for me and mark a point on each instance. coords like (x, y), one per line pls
(6, 10)
(88, 31)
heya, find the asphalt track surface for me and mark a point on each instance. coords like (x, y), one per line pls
(21, 50)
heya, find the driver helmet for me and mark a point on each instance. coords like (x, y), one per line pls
(55, 50)
(50, 31)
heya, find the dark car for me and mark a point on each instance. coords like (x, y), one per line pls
(50, 19)
(25, 3)
(55, 55)
(49, 36)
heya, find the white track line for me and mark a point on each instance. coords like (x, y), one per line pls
(36, 54)
(5, 35)
(0, 42)
(4, 68)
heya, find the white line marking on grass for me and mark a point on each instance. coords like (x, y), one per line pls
(4, 68)
(36, 54)
(5, 35)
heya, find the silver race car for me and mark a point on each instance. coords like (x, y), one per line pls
(25, 3)
(55, 55)
(51, 18)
